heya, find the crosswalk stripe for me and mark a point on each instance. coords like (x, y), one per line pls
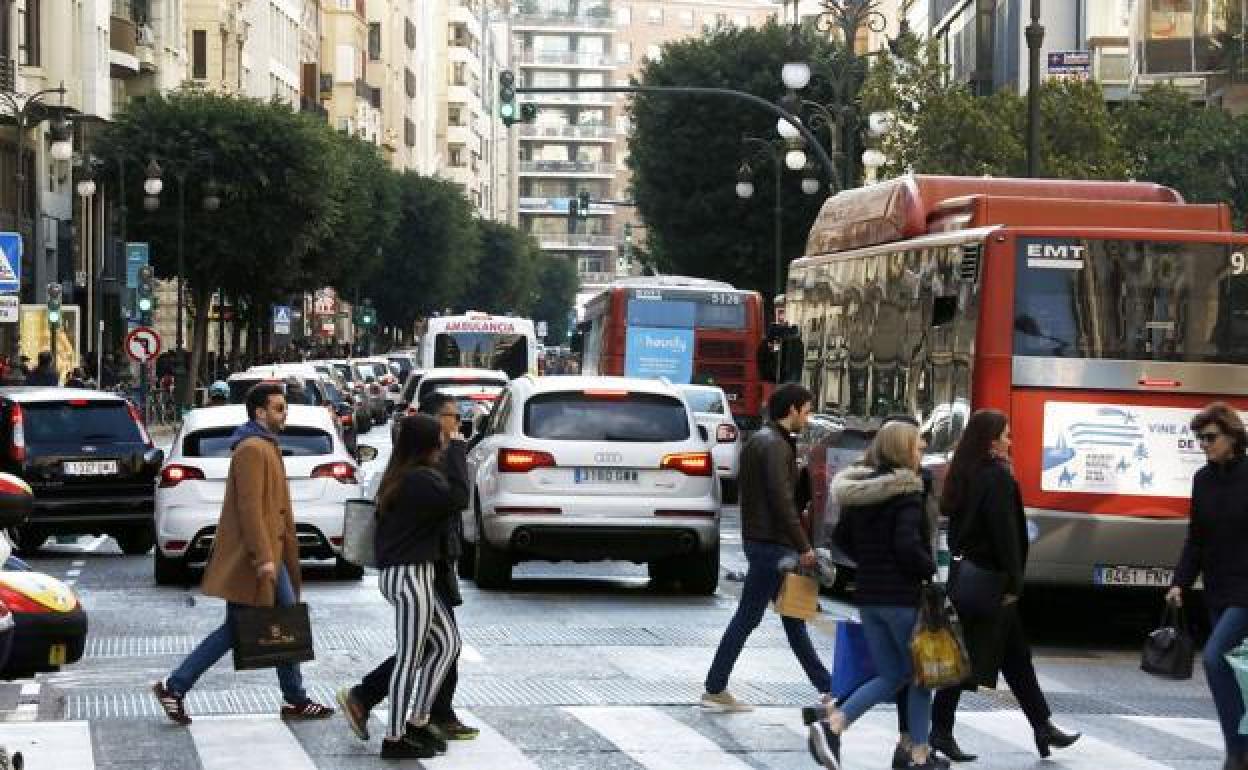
(633, 730)
(489, 749)
(1206, 732)
(60, 745)
(868, 743)
(231, 742)
(1088, 753)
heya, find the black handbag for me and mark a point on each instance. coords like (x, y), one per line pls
(1168, 651)
(976, 592)
(265, 637)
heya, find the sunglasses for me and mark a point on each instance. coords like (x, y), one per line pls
(1208, 437)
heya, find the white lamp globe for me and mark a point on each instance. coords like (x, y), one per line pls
(795, 159)
(796, 75)
(153, 186)
(810, 185)
(787, 130)
(86, 188)
(745, 189)
(62, 149)
(873, 158)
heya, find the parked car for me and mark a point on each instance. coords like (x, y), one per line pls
(360, 417)
(323, 475)
(358, 390)
(88, 459)
(590, 468)
(712, 411)
(471, 388)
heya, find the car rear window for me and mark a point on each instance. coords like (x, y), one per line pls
(85, 422)
(633, 417)
(294, 441)
(308, 393)
(458, 387)
(345, 371)
(705, 401)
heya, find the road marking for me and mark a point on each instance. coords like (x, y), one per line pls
(655, 740)
(866, 742)
(1206, 732)
(99, 541)
(1088, 753)
(30, 689)
(231, 742)
(78, 563)
(488, 750)
(59, 745)
(470, 654)
(73, 572)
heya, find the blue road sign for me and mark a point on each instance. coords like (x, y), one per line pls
(281, 319)
(10, 263)
(136, 256)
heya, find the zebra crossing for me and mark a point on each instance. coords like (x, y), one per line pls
(632, 737)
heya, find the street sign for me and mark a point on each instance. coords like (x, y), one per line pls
(281, 319)
(10, 262)
(143, 344)
(10, 308)
(137, 255)
(1070, 65)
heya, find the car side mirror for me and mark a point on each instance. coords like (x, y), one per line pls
(704, 433)
(154, 457)
(365, 453)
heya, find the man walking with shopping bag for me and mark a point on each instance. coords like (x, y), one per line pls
(255, 556)
(771, 530)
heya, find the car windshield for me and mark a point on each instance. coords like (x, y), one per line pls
(460, 387)
(295, 441)
(78, 422)
(705, 401)
(632, 417)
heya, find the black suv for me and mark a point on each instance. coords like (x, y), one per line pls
(87, 458)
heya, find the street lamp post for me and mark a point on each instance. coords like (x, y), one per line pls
(86, 188)
(782, 154)
(1035, 38)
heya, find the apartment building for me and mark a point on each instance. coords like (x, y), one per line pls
(351, 104)
(1201, 48)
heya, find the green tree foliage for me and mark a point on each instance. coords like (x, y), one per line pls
(506, 275)
(556, 296)
(366, 192)
(684, 153)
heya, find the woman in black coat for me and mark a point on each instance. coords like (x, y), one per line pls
(988, 528)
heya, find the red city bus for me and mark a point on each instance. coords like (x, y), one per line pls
(1098, 315)
(688, 330)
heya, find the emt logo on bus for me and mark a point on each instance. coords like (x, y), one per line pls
(1053, 253)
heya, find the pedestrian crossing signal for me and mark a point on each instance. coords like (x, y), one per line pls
(146, 286)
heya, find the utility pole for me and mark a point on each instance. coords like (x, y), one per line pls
(1035, 38)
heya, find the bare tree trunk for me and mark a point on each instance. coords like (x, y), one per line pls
(236, 329)
(202, 298)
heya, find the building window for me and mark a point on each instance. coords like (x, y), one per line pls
(654, 52)
(623, 16)
(409, 132)
(456, 157)
(374, 41)
(344, 63)
(454, 116)
(409, 34)
(32, 34)
(199, 54)
(654, 15)
(623, 53)
(686, 19)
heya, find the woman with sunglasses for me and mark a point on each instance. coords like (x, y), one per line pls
(1217, 537)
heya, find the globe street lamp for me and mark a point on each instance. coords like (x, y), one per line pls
(777, 151)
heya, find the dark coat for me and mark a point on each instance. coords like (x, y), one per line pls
(43, 376)
(412, 528)
(885, 530)
(1217, 535)
(995, 538)
(767, 481)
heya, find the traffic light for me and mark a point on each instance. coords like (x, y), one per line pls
(54, 304)
(507, 97)
(367, 316)
(146, 289)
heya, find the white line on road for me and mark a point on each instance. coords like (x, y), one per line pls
(59, 745)
(231, 742)
(73, 572)
(634, 731)
(470, 654)
(1206, 732)
(30, 689)
(1087, 754)
(78, 563)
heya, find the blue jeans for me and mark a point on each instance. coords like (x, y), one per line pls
(762, 583)
(1230, 626)
(888, 631)
(219, 642)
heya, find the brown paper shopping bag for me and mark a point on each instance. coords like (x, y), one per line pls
(798, 597)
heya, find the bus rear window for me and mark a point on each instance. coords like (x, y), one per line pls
(685, 314)
(633, 417)
(476, 350)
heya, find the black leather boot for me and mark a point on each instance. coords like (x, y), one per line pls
(946, 745)
(1049, 736)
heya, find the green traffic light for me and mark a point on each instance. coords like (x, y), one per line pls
(507, 111)
(145, 304)
(54, 316)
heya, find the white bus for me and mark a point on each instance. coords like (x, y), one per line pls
(480, 341)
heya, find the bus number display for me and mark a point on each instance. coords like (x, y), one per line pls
(1239, 263)
(721, 298)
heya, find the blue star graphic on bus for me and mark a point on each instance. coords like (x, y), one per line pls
(1066, 479)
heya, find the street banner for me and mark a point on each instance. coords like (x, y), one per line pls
(653, 353)
(10, 263)
(137, 255)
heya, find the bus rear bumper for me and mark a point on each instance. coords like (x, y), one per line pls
(1087, 549)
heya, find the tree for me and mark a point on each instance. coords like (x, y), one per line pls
(556, 295)
(506, 269)
(684, 153)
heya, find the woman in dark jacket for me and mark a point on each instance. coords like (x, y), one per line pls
(883, 528)
(415, 505)
(1217, 538)
(988, 528)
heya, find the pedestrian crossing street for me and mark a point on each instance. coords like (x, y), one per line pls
(593, 738)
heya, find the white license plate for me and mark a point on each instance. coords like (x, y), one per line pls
(1158, 577)
(91, 468)
(604, 476)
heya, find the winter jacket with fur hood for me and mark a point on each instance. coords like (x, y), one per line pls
(884, 529)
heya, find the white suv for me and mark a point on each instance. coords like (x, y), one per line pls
(592, 468)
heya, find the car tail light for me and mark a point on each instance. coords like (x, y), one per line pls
(483, 397)
(176, 545)
(523, 460)
(726, 434)
(335, 541)
(137, 416)
(20, 602)
(411, 410)
(688, 463)
(345, 419)
(341, 472)
(19, 435)
(173, 475)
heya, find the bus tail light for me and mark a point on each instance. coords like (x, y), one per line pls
(1156, 382)
(726, 434)
(523, 460)
(688, 463)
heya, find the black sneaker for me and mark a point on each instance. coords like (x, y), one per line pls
(424, 735)
(356, 713)
(173, 703)
(901, 757)
(405, 749)
(824, 745)
(933, 763)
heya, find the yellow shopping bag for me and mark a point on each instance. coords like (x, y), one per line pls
(798, 597)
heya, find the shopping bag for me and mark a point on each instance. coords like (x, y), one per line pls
(852, 666)
(359, 531)
(1238, 658)
(798, 597)
(1169, 650)
(265, 637)
(936, 647)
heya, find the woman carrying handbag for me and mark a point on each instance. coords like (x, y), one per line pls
(988, 538)
(1217, 536)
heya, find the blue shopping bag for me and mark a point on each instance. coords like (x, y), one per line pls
(851, 661)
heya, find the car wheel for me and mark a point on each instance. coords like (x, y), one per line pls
(729, 493)
(345, 570)
(493, 567)
(28, 540)
(135, 541)
(170, 570)
(699, 574)
(467, 560)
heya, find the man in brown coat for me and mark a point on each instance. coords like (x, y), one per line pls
(255, 556)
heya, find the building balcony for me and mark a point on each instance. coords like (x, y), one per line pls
(464, 12)
(123, 40)
(567, 168)
(575, 242)
(537, 16)
(597, 133)
(565, 59)
(597, 279)
(535, 205)
(463, 94)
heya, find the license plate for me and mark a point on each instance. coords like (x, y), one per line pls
(604, 476)
(91, 468)
(1157, 577)
(57, 655)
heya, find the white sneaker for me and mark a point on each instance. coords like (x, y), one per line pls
(724, 703)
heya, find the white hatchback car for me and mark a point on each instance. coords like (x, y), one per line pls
(323, 476)
(712, 411)
(592, 468)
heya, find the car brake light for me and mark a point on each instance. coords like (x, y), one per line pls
(523, 460)
(19, 435)
(688, 463)
(341, 472)
(173, 475)
(726, 434)
(345, 419)
(1153, 382)
(78, 402)
(593, 393)
(137, 416)
(20, 602)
